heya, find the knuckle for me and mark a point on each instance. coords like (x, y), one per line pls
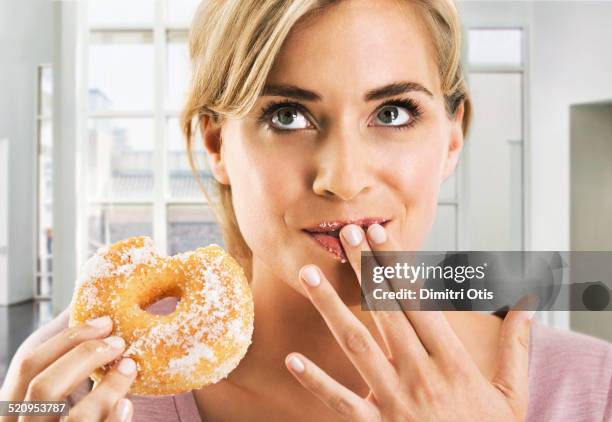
(314, 383)
(356, 340)
(26, 366)
(523, 339)
(38, 389)
(72, 333)
(92, 346)
(402, 411)
(504, 387)
(456, 370)
(341, 405)
(116, 382)
(427, 391)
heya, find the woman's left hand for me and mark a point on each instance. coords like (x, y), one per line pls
(429, 375)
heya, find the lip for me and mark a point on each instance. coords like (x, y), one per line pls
(326, 233)
(333, 225)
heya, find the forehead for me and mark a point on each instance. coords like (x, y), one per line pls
(354, 46)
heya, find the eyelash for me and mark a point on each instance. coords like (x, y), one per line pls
(413, 107)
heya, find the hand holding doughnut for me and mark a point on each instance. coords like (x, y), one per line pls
(53, 369)
(197, 344)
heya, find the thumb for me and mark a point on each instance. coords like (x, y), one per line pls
(511, 377)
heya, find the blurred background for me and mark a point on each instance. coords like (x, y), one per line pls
(91, 151)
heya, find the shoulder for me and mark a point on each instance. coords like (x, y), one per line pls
(570, 375)
(570, 352)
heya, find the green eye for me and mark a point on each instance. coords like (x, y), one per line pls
(393, 116)
(288, 118)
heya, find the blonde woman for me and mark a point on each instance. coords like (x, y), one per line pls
(350, 113)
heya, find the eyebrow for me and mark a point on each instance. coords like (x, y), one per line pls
(395, 88)
(295, 92)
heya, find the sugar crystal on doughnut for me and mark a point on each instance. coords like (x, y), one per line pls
(200, 342)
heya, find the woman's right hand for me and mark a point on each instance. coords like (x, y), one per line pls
(56, 367)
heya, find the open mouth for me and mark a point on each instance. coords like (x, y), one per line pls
(327, 235)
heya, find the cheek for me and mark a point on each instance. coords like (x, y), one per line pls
(415, 179)
(415, 173)
(265, 184)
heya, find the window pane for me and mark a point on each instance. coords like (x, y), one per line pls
(111, 223)
(46, 91)
(178, 69)
(180, 12)
(182, 183)
(495, 46)
(45, 209)
(120, 158)
(121, 12)
(190, 227)
(121, 71)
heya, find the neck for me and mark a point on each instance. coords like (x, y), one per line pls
(286, 321)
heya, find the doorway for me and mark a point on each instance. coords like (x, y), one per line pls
(591, 198)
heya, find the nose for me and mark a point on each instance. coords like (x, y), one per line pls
(343, 169)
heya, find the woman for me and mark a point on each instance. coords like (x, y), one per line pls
(313, 114)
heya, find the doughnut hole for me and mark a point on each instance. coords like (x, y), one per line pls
(164, 306)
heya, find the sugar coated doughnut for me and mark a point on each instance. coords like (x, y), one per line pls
(198, 343)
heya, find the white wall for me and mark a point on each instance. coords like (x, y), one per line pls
(571, 63)
(26, 36)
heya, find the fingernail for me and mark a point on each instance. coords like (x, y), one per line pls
(116, 342)
(352, 235)
(311, 276)
(101, 322)
(123, 409)
(127, 366)
(296, 364)
(377, 233)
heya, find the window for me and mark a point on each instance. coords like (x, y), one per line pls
(121, 71)
(138, 175)
(44, 167)
(111, 223)
(120, 156)
(121, 12)
(495, 46)
(187, 225)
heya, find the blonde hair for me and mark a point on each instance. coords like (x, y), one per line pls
(232, 46)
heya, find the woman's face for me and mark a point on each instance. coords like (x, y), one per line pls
(352, 125)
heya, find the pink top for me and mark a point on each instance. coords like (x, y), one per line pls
(570, 379)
